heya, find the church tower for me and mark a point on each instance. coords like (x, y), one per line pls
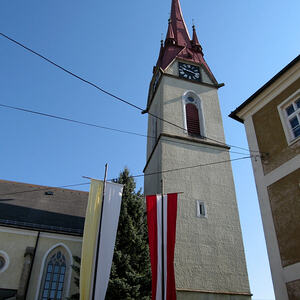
(209, 255)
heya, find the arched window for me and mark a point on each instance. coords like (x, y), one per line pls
(193, 116)
(192, 119)
(54, 277)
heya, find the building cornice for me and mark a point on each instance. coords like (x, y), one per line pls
(190, 139)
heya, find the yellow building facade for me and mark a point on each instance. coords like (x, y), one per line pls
(272, 121)
(40, 233)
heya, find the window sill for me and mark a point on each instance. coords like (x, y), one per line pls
(294, 143)
(197, 136)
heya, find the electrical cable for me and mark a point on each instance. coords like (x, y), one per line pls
(103, 127)
(133, 176)
(70, 120)
(191, 167)
(112, 95)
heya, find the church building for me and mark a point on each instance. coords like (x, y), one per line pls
(185, 130)
(41, 231)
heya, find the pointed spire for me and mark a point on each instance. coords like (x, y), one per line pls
(170, 38)
(195, 42)
(181, 34)
(178, 43)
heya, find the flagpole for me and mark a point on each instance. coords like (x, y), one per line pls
(162, 241)
(99, 233)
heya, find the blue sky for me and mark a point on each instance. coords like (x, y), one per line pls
(115, 44)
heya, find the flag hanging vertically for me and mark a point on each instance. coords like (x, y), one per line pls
(95, 267)
(90, 236)
(161, 217)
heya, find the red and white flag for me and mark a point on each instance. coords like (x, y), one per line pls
(162, 235)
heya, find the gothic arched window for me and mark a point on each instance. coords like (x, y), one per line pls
(54, 275)
(193, 117)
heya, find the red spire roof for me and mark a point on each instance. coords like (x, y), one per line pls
(195, 41)
(178, 43)
(181, 33)
(170, 38)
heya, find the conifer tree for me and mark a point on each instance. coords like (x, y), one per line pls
(131, 275)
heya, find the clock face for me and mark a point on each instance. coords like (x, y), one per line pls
(188, 71)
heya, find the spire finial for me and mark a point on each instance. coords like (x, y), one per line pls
(195, 42)
(181, 34)
(170, 38)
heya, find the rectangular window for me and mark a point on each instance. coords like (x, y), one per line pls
(201, 209)
(289, 112)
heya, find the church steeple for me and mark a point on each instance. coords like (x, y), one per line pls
(184, 121)
(182, 37)
(178, 44)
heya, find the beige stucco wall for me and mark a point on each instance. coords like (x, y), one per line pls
(15, 241)
(173, 90)
(14, 245)
(294, 290)
(155, 110)
(273, 141)
(209, 251)
(284, 197)
(152, 183)
(209, 296)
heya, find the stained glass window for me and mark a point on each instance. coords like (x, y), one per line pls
(54, 277)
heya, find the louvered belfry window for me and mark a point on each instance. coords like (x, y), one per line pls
(192, 120)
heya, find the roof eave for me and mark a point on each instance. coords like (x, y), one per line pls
(235, 117)
(234, 114)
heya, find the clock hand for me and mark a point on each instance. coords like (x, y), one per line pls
(190, 71)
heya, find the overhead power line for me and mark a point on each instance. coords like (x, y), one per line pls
(104, 127)
(70, 120)
(133, 176)
(192, 167)
(111, 94)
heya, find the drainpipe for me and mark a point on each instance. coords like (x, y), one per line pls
(27, 270)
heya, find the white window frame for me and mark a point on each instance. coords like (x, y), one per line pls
(285, 118)
(198, 104)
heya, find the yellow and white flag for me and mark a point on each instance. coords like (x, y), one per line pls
(109, 225)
